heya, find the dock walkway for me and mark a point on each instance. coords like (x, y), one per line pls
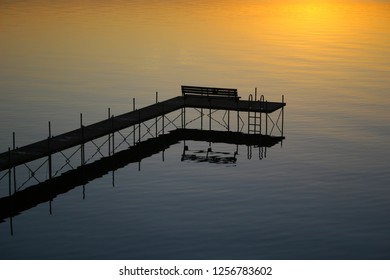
(52, 145)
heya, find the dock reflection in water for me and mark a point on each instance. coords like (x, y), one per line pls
(32, 196)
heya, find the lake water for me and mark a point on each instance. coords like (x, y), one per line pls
(323, 194)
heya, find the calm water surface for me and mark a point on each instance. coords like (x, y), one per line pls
(323, 194)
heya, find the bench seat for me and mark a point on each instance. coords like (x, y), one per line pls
(209, 92)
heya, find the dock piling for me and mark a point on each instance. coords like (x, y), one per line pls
(201, 119)
(282, 115)
(266, 118)
(14, 168)
(156, 119)
(109, 134)
(134, 124)
(238, 117)
(113, 134)
(139, 126)
(49, 152)
(228, 124)
(163, 118)
(184, 116)
(82, 146)
(9, 172)
(255, 125)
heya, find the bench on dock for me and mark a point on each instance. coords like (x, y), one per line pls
(210, 92)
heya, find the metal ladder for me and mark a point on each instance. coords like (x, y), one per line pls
(255, 118)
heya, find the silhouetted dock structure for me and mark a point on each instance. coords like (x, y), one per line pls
(151, 132)
(203, 99)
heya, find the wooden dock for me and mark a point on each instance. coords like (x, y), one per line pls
(52, 145)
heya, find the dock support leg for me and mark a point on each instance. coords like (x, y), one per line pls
(109, 134)
(10, 194)
(113, 151)
(139, 126)
(49, 152)
(49, 162)
(210, 119)
(113, 135)
(266, 118)
(238, 120)
(14, 168)
(183, 117)
(249, 121)
(183, 114)
(50, 168)
(9, 172)
(201, 119)
(82, 154)
(255, 125)
(156, 120)
(82, 148)
(134, 124)
(282, 115)
(228, 124)
(163, 119)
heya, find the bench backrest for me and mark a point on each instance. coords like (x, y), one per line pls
(209, 91)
